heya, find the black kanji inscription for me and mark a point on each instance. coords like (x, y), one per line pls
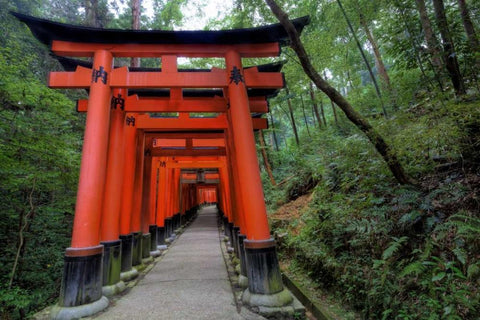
(131, 121)
(118, 101)
(100, 73)
(236, 76)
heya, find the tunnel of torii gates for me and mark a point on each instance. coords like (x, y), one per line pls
(144, 174)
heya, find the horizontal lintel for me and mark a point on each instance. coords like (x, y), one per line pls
(215, 104)
(81, 78)
(188, 152)
(76, 49)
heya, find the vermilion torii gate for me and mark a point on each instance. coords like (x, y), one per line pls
(115, 209)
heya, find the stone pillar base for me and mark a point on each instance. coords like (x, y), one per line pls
(280, 305)
(148, 260)
(114, 289)
(242, 281)
(155, 254)
(85, 310)
(82, 276)
(129, 275)
(279, 299)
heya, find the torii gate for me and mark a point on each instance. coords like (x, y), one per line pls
(82, 279)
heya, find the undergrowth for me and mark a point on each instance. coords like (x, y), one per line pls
(389, 251)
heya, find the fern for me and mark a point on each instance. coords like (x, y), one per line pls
(393, 247)
(466, 225)
(460, 254)
(415, 268)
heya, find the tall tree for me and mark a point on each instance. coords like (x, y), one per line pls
(364, 57)
(315, 107)
(375, 138)
(136, 5)
(292, 117)
(96, 13)
(266, 162)
(449, 53)
(305, 115)
(274, 134)
(471, 35)
(382, 71)
(433, 46)
(468, 25)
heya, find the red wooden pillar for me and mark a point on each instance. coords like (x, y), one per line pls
(126, 235)
(145, 208)
(136, 218)
(176, 198)
(237, 227)
(85, 254)
(263, 270)
(110, 231)
(161, 197)
(168, 203)
(152, 204)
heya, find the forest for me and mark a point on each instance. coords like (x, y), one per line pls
(370, 164)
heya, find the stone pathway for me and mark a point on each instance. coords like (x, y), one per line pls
(189, 282)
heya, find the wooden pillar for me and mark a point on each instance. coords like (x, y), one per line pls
(168, 203)
(110, 231)
(136, 218)
(161, 194)
(264, 277)
(85, 254)
(126, 235)
(145, 208)
(153, 229)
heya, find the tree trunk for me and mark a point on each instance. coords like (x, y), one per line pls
(273, 131)
(468, 26)
(415, 46)
(290, 110)
(91, 13)
(305, 117)
(382, 71)
(334, 111)
(24, 222)
(135, 62)
(449, 53)
(375, 138)
(315, 107)
(430, 38)
(471, 35)
(323, 112)
(367, 64)
(266, 163)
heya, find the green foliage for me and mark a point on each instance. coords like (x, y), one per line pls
(390, 252)
(40, 143)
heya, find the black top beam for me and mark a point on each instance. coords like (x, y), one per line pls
(46, 31)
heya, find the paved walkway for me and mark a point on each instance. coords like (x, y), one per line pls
(189, 282)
